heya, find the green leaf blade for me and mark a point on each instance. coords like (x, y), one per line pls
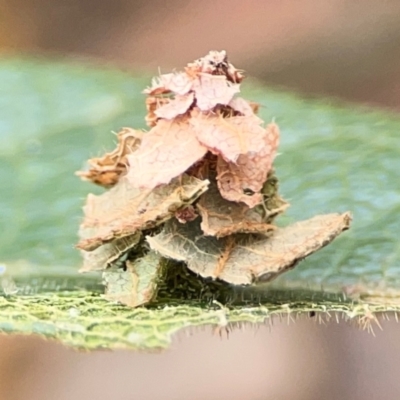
(53, 116)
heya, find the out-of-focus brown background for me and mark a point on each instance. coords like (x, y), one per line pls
(344, 48)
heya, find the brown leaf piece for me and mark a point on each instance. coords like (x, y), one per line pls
(105, 255)
(221, 217)
(176, 106)
(137, 285)
(166, 151)
(242, 181)
(179, 83)
(231, 137)
(152, 104)
(124, 209)
(211, 90)
(106, 170)
(244, 259)
(244, 107)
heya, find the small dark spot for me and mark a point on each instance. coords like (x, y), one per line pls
(248, 192)
(312, 314)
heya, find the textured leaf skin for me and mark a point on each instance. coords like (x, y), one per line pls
(54, 115)
(138, 284)
(89, 322)
(167, 151)
(242, 259)
(125, 209)
(221, 217)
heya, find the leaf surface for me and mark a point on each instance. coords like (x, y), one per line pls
(333, 158)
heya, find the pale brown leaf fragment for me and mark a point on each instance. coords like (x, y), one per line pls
(138, 284)
(156, 88)
(243, 106)
(176, 106)
(265, 259)
(124, 209)
(245, 259)
(152, 103)
(179, 83)
(242, 181)
(186, 242)
(167, 151)
(230, 137)
(221, 217)
(106, 170)
(211, 90)
(106, 254)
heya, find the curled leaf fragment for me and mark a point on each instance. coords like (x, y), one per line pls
(152, 104)
(103, 256)
(125, 209)
(221, 217)
(179, 83)
(244, 107)
(244, 259)
(106, 170)
(176, 106)
(242, 181)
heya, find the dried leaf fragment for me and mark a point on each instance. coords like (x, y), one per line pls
(137, 285)
(106, 170)
(232, 137)
(166, 151)
(221, 217)
(124, 209)
(176, 106)
(152, 104)
(211, 90)
(179, 83)
(242, 181)
(104, 255)
(244, 259)
(244, 107)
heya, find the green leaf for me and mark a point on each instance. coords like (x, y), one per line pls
(53, 116)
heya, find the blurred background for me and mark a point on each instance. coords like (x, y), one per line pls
(344, 48)
(341, 48)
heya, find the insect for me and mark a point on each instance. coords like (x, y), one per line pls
(197, 191)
